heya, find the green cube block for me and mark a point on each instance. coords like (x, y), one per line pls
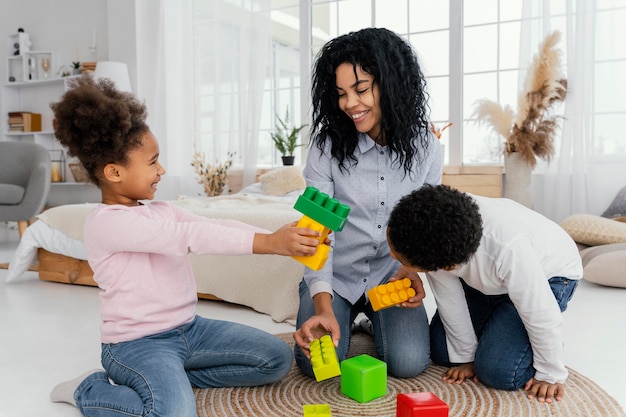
(363, 378)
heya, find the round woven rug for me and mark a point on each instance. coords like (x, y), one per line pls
(584, 398)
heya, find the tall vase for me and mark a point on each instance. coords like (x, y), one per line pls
(518, 179)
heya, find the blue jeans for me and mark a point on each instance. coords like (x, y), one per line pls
(155, 375)
(400, 334)
(504, 357)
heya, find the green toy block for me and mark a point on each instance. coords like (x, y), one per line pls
(316, 410)
(324, 358)
(323, 209)
(363, 378)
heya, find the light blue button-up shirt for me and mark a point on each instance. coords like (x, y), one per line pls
(359, 259)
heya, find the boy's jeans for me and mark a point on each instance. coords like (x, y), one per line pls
(505, 346)
(154, 375)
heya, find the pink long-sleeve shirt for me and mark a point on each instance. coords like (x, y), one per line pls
(139, 258)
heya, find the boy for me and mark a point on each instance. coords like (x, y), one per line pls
(501, 275)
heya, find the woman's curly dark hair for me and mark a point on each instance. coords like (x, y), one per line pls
(435, 227)
(98, 124)
(402, 88)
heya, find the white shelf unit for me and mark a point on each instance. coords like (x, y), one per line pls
(28, 66)
(36, 96)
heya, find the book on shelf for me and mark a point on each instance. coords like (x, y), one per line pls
(24, 122)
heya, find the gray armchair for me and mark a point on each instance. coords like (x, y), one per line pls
(24, 181)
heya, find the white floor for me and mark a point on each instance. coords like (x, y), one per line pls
(49, 333)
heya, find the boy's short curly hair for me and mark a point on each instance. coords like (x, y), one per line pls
(98, 124)
(435, 227)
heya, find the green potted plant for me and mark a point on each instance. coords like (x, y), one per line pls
(286, 138)
(75, 68)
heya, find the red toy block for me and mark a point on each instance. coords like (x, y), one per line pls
(420, 404)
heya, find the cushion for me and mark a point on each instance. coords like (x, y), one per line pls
(11, 194)
(282, 180)
(594, 230)
(605, 264)
(618, 205)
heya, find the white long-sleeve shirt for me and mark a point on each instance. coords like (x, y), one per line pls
(139, 258)
(520, 250)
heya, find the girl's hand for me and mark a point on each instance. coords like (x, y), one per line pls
(458, 374)
(289, 240)
(544, 391)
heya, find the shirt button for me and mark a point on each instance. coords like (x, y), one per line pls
(374, 247)
(382, 178)
(382, 203)
(379, 226)
(364, 279)
(382, 153)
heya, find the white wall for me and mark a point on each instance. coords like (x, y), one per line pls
(64, 27)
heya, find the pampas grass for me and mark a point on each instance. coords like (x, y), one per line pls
(531, 131)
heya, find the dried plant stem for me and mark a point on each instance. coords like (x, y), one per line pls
(213, 178)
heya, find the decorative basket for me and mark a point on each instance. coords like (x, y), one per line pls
(79, 172)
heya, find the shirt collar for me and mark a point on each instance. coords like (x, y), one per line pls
(365, 142)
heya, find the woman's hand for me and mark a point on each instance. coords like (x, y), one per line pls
(545, 392)
(314, 328)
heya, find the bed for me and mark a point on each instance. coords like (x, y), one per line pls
(266, 283)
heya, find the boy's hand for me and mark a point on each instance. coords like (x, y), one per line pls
(289, 240)
(458, 374)
(314, 328)
(544, 391)
(416, 284)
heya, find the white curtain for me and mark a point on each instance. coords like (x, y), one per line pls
(202, 67)
(578, 179)
(232, 47)
(165, 78)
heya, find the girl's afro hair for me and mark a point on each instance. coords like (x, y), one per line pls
(98, 124)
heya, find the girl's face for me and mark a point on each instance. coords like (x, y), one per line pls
(359, 98)
(137, 180)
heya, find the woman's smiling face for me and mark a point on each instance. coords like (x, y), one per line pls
(359, 98)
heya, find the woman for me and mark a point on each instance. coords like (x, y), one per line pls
(370, 146)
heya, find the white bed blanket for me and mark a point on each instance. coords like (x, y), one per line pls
(266, 283)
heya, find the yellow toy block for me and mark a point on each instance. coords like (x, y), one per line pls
(321, 213)
(316, 261)
(390, 294)
(316, 410)
(324, 358)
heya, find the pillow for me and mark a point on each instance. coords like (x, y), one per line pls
(605, 264)
(282, 180)
(618, 205)
(594, 230)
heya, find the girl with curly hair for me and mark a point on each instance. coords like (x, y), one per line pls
(502, 274)
(371, 145)
(155, 348)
